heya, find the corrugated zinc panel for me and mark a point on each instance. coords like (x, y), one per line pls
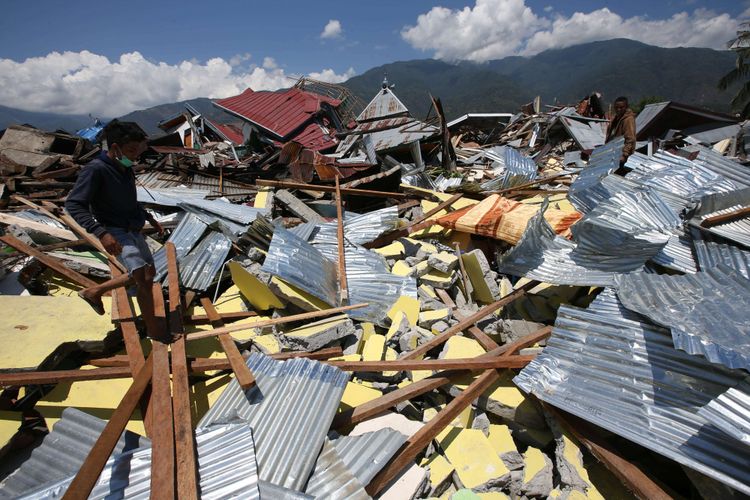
(730, 412)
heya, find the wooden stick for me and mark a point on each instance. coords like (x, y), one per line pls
(51, 262)
(342, 254)
(242, 372)
(475, 332)
(93, 240)
(528, 184)
(464, 275)
(330, 189)
(275, 321)
(202, 319)
(471, 320)
(724, 218)
(185, 453)
(422, 438)
(127, 326)
(632, 476)
(472, 364)
(92, 467)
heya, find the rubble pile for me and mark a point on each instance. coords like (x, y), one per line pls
(374, 306)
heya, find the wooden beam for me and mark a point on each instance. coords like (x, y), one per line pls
(331, 189)
(127, 325)
(275, 321)
(724, 218)
(92, 467)
(472, 364)
(242, 372)
(185, 453)
(470, 321)
(632, 476)
(51, 262)
(423, 437)
(343, 288)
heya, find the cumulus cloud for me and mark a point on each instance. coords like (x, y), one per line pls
(332, 29)
(84, 82)
(493, 29)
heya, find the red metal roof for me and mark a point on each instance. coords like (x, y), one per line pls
(231, 132)
(280, 112)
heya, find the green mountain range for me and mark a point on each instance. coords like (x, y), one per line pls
(613, 67)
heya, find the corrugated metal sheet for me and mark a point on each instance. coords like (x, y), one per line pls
(184, 237)
(625, 376)
(677, 254)
(63, 451)
(362, 228)
(226, 469)
(714, 135)
(730, 412)
(229, 227)
(390, 133)
(384, 105)
(241, 214)
(199, 268)
(366, 454)
(300, 264)
(290, 410)
(544, 256)
(710, 252)
(35, 216)
(280, 112)
(707, 311)
(515, 169)
(603, 161)
(332, 480)
(737, 230)
(648, 114)
(713, 161)
(276, 492)
(588, 134)
(169, 197)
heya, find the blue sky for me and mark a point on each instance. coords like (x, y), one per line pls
(221, 47)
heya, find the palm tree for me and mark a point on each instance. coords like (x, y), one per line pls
(741, 72)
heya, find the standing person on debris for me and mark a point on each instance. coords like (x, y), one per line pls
(104, 202)
(623, 124)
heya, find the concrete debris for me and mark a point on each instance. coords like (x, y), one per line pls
(442, 273)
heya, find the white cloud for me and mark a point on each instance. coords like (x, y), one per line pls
(493, 29)
(238, 59)
(332, 29)
(84, 82)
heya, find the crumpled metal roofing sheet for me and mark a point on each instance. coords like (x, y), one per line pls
(226, 469)
(199, 267)
(290, 410)
(713, 161)
(706, 311)
(184, 237)
(588, 134)
(362, 228)
(603, 161)
(332, 480)
(543, 255)
(737, 230)
(648, 113)
(710, 252)
(241, 214)
(63, 451)
(169, 197)
(515, 169)
(366, 454)
(677, 254)
(300, 264)
(730, 412)
(625, 376)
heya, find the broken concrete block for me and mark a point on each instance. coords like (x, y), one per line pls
(443, 261)
(439, 327)
(477, 466)
(253, 290)
(407, 409)
(484, 285)
(352, 344)
(388, 420)
(393, 251)
(368, 330)
(503, 444)
(298, 297)
(409, 484)
(266, 344)
(297, 207)
(401, 268)
(537, 474)
(429, 318)
(409, 306)
(426, 291)
(568, 459)
(458, 347)
(481, 422)
(399, 327)
(440, 473)
(413, 261)
(255, 254)
(438, 279)
(374, 349)
(357, 394)
(318, 334)
(511, 330)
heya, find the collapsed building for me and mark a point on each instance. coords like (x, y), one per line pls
(366, 304)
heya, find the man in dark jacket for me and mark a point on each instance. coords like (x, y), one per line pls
(104, 202)
(623, 124)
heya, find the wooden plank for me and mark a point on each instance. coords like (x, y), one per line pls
(241, 371)
(632, 476)
(527, 341)
(423, 437)
(445, 298)
(472, 364)
(93, 240)
(470, 321)
(202, 319)
(343, 288)
(185, 453)
(127, 325)
(51, 262)
(92, 467)
(331, 189)
(275, 321)
(724, 218)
